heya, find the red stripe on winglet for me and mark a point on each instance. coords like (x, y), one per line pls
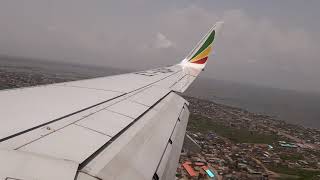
(201, 61)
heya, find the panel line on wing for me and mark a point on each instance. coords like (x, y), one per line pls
(139, 103)
(73, 143)
(157, 81)
(102, 148)
(178, 81)
(55, 120)
(83, 117)
(106, 121)
(58, 119)
(92, 129)
(119, 113)
(88, 88)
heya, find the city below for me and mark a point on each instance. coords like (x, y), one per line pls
(237, 144)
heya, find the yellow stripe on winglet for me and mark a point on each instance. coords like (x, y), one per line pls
(203, 54)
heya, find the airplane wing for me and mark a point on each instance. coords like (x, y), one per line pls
(128, 126)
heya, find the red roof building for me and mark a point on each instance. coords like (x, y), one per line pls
(189, 169)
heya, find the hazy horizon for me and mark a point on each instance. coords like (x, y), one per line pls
(129, 70)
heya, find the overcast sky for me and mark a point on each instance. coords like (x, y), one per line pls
(272, 43)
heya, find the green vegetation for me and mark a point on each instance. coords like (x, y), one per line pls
(299, 173)
(198, 123)
(291, 157)
(288, 177)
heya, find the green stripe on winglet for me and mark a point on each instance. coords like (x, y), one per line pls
(206, 44)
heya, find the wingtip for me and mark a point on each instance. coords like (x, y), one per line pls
(217, 26)
(199, 55)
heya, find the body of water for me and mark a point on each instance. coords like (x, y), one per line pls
(291, 106)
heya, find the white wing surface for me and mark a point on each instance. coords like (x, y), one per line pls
(128, 126)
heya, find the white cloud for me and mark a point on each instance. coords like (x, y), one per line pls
(162, 41)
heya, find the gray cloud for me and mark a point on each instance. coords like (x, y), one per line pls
(262, 50)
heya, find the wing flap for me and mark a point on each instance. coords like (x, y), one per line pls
(169, 167)
(137, 152)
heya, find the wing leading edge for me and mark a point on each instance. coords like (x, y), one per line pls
(128, 126)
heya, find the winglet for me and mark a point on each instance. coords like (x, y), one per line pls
(199, 55)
